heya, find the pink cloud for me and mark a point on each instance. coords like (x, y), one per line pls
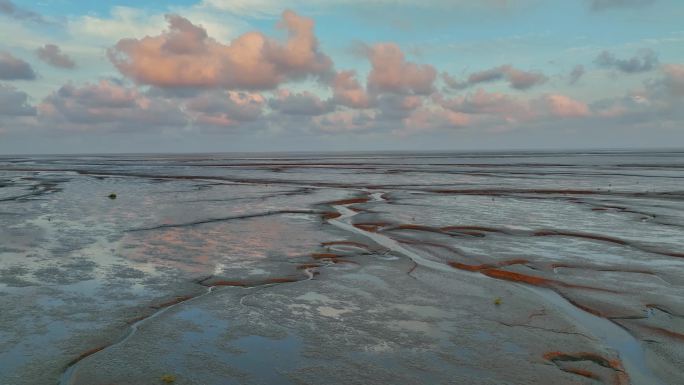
(391, 72)
(347, 91)
(225, 108)
(345, 121)
(108, 104)
(564, 107)
(480, 102)
(674, 78)
(427, 119)
(185, 56)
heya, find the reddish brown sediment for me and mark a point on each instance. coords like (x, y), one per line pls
(620, 376)
(349, 201)
(308, 266)
(517, 277)
(664, 332)
(545, 233)
(86, 354)
(418, 228)
(278, 280)
(448, 230)
(583, 373)
(473, 228)
(331, 215)
(174, 301)
(343, 261)
(372, 227)
(357, 209)
(487, 266)
(494, 271)
(325, 256)
(346, 243)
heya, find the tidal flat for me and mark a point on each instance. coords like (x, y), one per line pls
(342, 268)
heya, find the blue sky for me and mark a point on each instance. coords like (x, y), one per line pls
(121, 94)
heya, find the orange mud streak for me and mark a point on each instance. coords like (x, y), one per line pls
(620, 378)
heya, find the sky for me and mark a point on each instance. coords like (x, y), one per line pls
(138, 76)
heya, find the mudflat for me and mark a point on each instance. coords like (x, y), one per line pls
(354, 268)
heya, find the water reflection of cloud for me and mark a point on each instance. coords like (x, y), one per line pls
(198, 249)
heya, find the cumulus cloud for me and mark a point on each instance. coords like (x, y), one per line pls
(53, 55)
(345, 121)
(391, 73)
(185, 56)
(108, 105)
(600, 5)
(347, 91)
(225, 109)
(303, 103)
(516, 78)
(495, 104)
(511, 109)
(432, 118)
(576, 73)
(10, 9)
(644, 60)
(562, 106)
(12, 68)
(14, 102)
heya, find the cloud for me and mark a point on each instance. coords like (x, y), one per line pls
(14, 102)
(481, 102)
(600, 5)
(576, 73)
(8, 8)
(303, 103)
(673, 79)
(452, 82)
(391, 73)
(53, 55)
(12, 68)
(108, 105)
(347, 91)
(494, 106)
(659, 103)
(225, 109)
(185, 56)
(432, 118)
(394, 107)
(517, 79)
(644, 60)
(522, 80)
(562, 106)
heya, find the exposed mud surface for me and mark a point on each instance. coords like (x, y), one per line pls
(347, 268)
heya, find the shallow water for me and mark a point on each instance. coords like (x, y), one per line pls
(597, 236)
